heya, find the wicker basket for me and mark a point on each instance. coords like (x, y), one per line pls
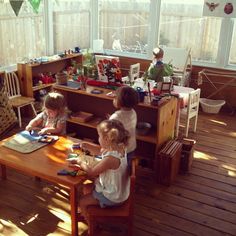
(7, 115)
(211, 106)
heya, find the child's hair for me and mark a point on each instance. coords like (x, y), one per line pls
(158, 53)
(55, 101)
(115, 132)
(126, 96)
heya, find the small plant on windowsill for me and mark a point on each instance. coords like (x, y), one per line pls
(89, 64)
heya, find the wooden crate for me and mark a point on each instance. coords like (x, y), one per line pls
(186, 155)
(167, 162)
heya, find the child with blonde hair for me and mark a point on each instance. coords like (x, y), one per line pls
(112, 184)
(52, 120)
(125, 101)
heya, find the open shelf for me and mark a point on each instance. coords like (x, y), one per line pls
(42, 86)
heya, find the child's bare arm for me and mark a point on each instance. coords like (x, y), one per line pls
(34, 123)
(103, 165)
(93, 148)
(57, 130)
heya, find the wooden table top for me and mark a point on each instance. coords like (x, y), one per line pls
(44, 162)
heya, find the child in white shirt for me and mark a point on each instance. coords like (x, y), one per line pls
(126, 99)
(112, 184)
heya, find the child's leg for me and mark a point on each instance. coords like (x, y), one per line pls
(88, 188)
(86, 201)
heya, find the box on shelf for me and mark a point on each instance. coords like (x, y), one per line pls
(81, 116)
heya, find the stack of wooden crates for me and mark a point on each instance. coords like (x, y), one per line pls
(175, 157)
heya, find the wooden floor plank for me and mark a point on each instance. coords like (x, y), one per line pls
(202, 202)
(189, 215)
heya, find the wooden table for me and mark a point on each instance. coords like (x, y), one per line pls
(45, 163)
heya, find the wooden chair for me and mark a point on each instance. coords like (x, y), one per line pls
(192, 110)
(13, 91)
(123, 213)
(134, 71)
(181, 60)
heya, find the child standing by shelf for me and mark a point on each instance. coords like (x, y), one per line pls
(112, 182)
(53, 118)
(126, 99)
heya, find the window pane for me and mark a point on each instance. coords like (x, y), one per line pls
(71, 24)
(182, 25)
(232, 56)
(22, 36)
(123, 25)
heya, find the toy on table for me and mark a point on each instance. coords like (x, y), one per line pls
(67, 172)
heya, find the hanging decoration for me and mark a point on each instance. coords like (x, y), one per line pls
(16, 5)
(228, 9)
(219, 8)
(35, 4)
(212, 6)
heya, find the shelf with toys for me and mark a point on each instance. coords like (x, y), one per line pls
(34, 76)
(37, 78)
(162, 118)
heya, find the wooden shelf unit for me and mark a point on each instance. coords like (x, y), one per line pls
(27, 71)
(162, 119)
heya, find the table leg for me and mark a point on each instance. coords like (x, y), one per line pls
(3, 169)
(177, 118)
(73, 208)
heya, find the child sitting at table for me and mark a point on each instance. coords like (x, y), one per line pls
(52, 120)
(111, 187)
(125, 100)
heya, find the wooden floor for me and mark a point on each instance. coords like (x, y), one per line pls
(200, 203)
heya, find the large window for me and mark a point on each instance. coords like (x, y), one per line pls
(71, 24)
(182, 25)
(123, 25)
(22, 37)
(127, 27)
(232, 57)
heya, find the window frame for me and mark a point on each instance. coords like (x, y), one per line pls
(225, 37)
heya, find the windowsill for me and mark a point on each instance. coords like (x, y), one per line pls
(9, 68)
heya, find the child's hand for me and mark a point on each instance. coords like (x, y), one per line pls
(28, 128)
(44, 131)
(85, 145)
(73, 160)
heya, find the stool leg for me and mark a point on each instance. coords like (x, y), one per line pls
(32, 105)
(19, 116)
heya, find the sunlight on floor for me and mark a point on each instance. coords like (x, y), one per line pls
(218, 122)
(229, 167)
(202, 155)
(7, 228)
(31, 219)
(231, 173)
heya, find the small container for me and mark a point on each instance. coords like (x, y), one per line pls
(143, 128)
(141, 94)
(61, 78)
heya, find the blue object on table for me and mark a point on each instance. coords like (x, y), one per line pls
(67, 172)
(141, 94)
